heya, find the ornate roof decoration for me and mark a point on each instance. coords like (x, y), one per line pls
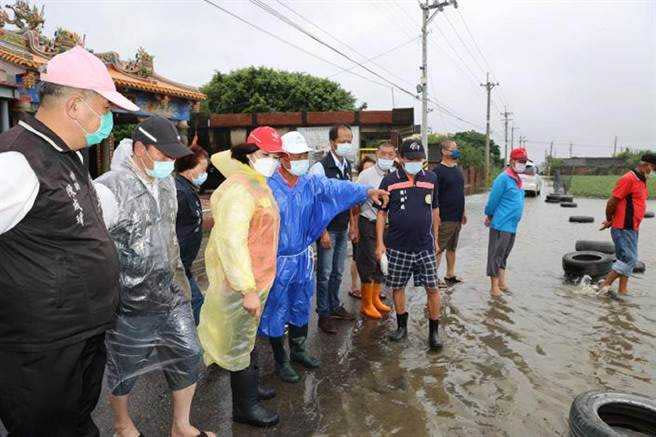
(29, 48)
(25, 18)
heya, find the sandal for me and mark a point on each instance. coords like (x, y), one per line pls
(453, 280)
(355, 294)
(441, 284)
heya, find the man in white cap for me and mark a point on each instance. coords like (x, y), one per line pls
(307, 204)
(59, 270)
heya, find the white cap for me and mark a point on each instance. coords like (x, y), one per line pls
(294, 142)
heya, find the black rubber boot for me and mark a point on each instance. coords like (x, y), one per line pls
(298, 354)
(245, 406)
(401, 329)
(263, 393)
(433, 335)
(283, 367)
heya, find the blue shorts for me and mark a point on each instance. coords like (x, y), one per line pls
(626, 250)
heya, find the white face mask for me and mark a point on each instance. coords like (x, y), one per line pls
(520, 167)
(300, 167)
(385, 164)
(265, 166)
(343, 149)
(413, 167)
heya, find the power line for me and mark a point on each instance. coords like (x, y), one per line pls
(284, 19)
(354, 50)
(380, 55)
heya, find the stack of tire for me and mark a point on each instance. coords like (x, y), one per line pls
(559, 198)
(592, 258)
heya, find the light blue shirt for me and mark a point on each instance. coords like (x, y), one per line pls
(505, 204)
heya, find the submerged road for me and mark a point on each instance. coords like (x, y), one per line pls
(511, 367)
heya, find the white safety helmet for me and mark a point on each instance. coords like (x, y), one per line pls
(294, 142)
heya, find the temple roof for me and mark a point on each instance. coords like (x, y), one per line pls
(27, 47)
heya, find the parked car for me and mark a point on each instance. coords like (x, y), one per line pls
(531, 180)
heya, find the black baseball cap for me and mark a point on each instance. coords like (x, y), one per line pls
(649, 157)
(412, 149)
(161, 133)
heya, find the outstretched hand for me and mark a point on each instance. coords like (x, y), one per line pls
(605, 225)
(379, 197)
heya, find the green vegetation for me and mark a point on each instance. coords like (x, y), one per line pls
(472, 147)
(261, 89)
(600, 186)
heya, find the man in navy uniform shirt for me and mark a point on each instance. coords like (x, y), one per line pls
(409, 243)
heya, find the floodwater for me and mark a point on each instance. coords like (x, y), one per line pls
(511, 366)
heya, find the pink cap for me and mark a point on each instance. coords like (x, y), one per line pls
(77, 68)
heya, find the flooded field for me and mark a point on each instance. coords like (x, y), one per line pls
(511, 366)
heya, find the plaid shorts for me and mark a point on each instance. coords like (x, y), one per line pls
(402, 265)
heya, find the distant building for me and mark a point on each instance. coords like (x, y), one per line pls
(592, 166)
(220, 131)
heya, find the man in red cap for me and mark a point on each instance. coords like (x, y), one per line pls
(59, 271)
(503, 211)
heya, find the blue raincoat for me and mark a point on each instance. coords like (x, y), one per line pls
(305, 211)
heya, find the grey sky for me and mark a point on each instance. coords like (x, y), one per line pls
(581, 71)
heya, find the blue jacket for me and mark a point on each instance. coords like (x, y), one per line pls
(305, 211)
(505, 204)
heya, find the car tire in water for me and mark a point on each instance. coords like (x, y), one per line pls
(553, 198)
(607, 247)
(565, 198)
(612, 414)
(593, 264)
(640, 267)
(581, 219)
(649, 214)
(568, 205)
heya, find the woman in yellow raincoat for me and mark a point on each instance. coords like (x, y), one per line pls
(241, 266)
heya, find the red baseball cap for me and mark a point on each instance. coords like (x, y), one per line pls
(519, 155)
(266, 138)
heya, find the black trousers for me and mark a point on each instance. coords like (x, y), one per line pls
(52, 393)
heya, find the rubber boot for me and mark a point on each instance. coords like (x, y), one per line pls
(297, 352)
(402, 328)
(375, 299)
(366, 306)
(245, 406)
(284, 369)
(263, 393)
(433, 335)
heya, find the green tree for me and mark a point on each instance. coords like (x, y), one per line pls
(261, 89)
(472, 148)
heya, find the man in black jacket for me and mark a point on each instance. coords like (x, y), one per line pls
(59, 268)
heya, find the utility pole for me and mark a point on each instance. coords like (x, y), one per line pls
(505, 115)
(512, 138)
(571, 147)
(488, 87)
(423, 87)
(615, 147)
(393, 104)
(551, 150)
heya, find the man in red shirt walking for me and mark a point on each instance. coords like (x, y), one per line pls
(624, 212)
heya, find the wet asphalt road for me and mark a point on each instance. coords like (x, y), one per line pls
(511, 366)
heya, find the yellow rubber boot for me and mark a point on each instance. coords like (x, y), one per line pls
(375, 298)
(367, 308)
